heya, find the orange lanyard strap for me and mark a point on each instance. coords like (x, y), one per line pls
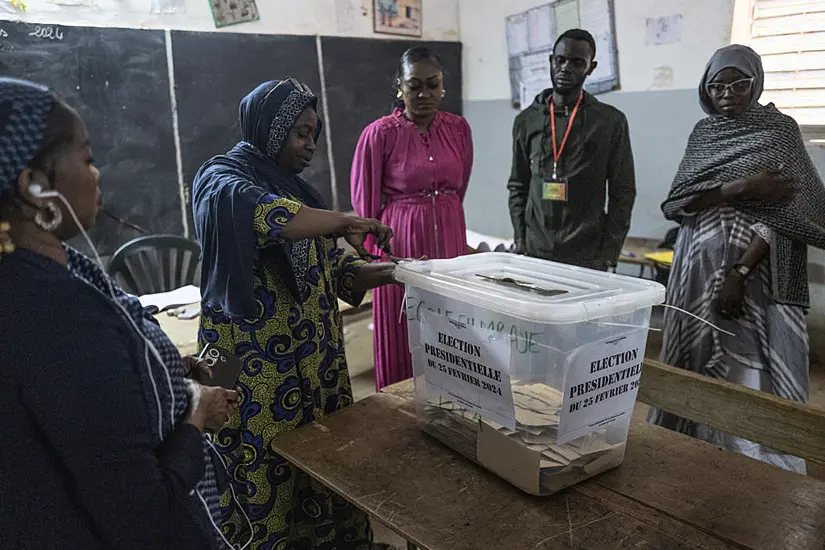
(557, 151)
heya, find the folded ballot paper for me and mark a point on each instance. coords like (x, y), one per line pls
(528, 456)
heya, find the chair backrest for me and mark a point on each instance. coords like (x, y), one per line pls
(156, 263)
(669, 241)
(787, 426)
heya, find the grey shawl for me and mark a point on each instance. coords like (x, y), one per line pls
(722, 149)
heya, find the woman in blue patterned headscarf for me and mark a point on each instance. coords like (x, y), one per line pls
(100, 439)
(272, 276)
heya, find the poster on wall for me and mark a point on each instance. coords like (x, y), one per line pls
(530, 39)
(397, 17)
(233, 12)
(663, 30)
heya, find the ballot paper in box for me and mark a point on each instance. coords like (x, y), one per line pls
(527, 367)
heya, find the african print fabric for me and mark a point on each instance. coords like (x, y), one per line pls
(294, 373)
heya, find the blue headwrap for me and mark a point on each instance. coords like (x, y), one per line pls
(24, 109)
(226, 192)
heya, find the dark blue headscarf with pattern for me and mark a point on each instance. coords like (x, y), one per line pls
(24, 110)
(227, 190)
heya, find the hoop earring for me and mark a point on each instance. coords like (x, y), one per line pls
(54, 221)
(443, 93)
(6, 244)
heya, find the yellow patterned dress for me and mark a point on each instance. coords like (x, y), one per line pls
(294, 372)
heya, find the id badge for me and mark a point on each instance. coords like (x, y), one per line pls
(555, 189)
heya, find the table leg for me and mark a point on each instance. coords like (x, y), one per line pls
(411, 546)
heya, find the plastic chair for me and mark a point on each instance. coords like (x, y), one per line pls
(156, 263)
(662, 273)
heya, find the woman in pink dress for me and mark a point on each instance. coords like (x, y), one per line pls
(411, 170)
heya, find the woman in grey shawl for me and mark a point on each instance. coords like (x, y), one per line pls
(749, 202)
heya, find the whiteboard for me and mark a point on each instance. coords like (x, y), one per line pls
(531, 35)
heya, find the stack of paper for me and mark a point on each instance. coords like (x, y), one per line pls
(537, 408)
(183, 296)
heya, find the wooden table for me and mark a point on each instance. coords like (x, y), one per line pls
(638, 247)
(672, 492)
(184, 332)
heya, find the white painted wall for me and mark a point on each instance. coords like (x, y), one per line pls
(706, 26)
(484, 36)
(307, 17)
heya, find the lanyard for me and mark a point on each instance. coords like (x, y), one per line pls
(557, 151)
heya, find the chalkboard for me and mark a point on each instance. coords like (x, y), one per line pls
(359, 75)
(214, 71)
(118, 80)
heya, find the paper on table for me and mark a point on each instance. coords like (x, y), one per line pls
(183, 296)
(567, 17)
(663, 258)
(541, 28)
(517, 42)
(474, 239)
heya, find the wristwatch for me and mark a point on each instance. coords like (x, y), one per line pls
(743, 270)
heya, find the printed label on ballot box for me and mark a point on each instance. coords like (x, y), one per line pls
(601, 384)
(470, 365)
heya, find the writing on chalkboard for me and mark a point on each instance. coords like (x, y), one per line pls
(47, 32)
(3, 34)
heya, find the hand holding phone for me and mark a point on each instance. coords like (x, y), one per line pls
(217, 367)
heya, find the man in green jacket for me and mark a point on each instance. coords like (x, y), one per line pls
(559, 187)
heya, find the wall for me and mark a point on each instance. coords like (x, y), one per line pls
(308, 17)
(646, 99)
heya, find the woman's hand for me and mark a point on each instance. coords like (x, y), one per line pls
(732, 296)
(196, 368)
(373, 275)
(356, 232)
(212, 408)
(766, 186)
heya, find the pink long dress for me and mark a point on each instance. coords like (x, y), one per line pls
(414, 183)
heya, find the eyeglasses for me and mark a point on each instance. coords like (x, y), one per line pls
(740, 87)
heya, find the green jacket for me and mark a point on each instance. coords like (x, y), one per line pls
(598, 163)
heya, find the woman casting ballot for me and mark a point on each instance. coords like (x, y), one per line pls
(272, 276)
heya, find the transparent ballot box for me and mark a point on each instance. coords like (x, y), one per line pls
(527, 367)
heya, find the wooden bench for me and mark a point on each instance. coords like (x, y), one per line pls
(787, 426)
